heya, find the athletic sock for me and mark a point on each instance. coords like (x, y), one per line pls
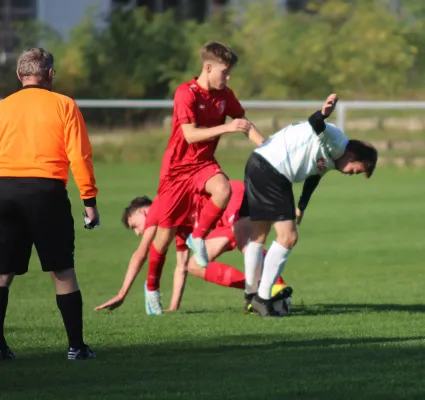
(224, 275)
(210, 214)
(253, 258)
(156, 264)
(274, 264)
(4, 300)
(71, 308)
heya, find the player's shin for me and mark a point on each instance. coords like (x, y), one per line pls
(274, 264)
(253, 258)
(224, 275)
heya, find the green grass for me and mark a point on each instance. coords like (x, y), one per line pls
(356, 331)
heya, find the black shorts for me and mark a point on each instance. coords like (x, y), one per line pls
(35, 211)
(268, 193)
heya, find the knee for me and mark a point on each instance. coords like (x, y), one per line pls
(222, 192)
(6, 280)
(288, 240)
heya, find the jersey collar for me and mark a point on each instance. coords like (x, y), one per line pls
(33, 87)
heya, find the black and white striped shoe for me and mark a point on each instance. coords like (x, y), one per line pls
(84, 353)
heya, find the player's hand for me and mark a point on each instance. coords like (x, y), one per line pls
(240, 125)
(112, 304)
(91, 217)
(299, 216)
(329, 105)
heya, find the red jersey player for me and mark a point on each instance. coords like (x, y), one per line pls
(230, 232)
(199, 119)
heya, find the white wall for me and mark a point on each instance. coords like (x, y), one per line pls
(63, 15)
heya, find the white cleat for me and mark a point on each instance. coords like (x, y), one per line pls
(197, 245)
(153, 302)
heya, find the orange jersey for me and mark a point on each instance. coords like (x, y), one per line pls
(42, 134)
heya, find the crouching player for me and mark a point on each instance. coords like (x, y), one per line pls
(230, 232)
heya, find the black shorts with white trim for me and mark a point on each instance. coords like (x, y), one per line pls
(268, 193)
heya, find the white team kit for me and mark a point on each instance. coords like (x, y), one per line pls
(298, 152)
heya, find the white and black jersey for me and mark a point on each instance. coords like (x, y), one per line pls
(301, 152)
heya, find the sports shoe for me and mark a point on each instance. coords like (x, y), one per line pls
(6, 354)
(264, 307)
(153, 301)
(247, 306)
(84, 353)
(197, 245)
(281, 296)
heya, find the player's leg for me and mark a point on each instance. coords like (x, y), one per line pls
(15, 250)
(54, 241)
(212, 181)
(157, 257)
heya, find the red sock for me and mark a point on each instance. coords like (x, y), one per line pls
(210, 214)
(279, 280)
(224, 275)
(156, 263)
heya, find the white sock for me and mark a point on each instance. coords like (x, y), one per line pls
(273, 266)
(253, 259)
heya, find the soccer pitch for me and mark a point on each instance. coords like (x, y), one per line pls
(356, 330)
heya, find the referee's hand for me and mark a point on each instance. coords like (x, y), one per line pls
(91, 217)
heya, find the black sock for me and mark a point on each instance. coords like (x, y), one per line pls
(71, 308)
(4, 299)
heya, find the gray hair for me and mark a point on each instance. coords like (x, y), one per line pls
(34, 62)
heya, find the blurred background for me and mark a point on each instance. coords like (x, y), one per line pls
(293, 53)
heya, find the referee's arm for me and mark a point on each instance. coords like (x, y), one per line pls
(79, 152)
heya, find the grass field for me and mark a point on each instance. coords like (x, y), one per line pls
(356, 331)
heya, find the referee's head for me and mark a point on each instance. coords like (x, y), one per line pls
(36, 67)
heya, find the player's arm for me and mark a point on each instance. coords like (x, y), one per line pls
(194, 134)
(317, 120)
(310, 185)
(254, 134)
(180, 274)
(135, 265)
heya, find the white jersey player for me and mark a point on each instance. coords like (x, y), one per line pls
(301, 152)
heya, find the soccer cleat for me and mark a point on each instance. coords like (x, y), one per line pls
(153, 301)
(247, 306)
(197, 245)
(6, 354)
(264, 307)
(84, 353)
(281, 296)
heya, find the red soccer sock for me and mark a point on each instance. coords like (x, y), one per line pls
(279, 280)
(156, 264)
(224, 275)
(210, 214)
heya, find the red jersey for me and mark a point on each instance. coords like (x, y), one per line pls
(206, 109)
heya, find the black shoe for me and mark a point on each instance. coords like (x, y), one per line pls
(247, 306)
(84, 353)
(264, 307)
(6, 354)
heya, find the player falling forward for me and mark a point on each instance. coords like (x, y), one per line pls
(231, 232)
(301, 152)
(189, 166)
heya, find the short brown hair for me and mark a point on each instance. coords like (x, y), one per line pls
(364, 152)
(138, 202)
(216, 51)
(34, 62)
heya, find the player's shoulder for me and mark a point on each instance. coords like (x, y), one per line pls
(189, 87)
(64, 99)
(334, 131)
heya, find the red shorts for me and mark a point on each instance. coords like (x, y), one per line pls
(176, 198)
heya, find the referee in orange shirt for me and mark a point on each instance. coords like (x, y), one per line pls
(42, 134)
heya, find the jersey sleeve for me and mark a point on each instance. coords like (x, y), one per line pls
(152, 216)
(334, 140)
(184, 105)
(234, 108)
(79, 153)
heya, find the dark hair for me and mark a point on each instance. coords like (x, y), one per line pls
(138, 202)
(216, 51)
(364, 152)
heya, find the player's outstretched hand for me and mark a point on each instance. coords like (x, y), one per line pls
(329, 105)
(240, 125)
(299, 216)
(112, 304)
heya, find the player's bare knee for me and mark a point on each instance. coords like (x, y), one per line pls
(221, 194)
(65, 281)
(288, 240)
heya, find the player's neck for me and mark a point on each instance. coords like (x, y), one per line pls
(203, 82)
